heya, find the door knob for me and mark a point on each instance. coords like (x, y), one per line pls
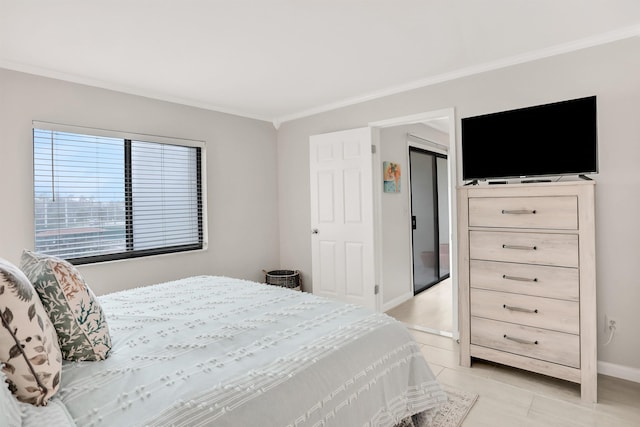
(314, 231)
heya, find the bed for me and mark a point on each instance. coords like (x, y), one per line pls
(217, 351)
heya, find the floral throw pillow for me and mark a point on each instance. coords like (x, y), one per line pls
(82, 329)
(29, 349)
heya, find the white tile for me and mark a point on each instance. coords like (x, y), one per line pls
(619, 398)
(435, 340)
(552, 412)
(489, 412)
(436, 369)
(440, 356)
(537, 383)
(431, 308)
(515, 401)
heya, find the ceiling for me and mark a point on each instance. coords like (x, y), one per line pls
(277, 60)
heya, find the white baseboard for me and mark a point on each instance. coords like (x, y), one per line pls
(619, 371)
(397, 301)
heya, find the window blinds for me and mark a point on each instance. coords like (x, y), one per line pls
(100, 198)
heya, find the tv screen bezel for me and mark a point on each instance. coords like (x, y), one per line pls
(542, 174)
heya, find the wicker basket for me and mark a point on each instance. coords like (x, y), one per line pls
(285, 278)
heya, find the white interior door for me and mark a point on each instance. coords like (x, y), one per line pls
(342, 216)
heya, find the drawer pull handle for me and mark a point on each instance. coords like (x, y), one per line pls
(519, 211)
(523, 310)
(520, 340)
(519, 247)
(519, 279)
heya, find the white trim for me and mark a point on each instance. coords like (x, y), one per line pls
(377, 216)
(413, 118)
(397, 301)
(600, 39)
(109, 133)
(204, 196)
(619, 371)
(130, 90)
(455, 176)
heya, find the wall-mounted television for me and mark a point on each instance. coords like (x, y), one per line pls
(544, 140)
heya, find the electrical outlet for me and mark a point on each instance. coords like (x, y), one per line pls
(605, 325)
(610, 328)
(609, 323)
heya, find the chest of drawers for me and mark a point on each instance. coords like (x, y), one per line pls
(527, 279)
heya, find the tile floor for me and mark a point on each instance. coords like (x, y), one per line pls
(511, 397)
(430, 309)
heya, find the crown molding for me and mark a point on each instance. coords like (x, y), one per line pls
(600, 39)
(74, 78)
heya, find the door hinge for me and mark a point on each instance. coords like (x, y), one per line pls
(376, 289)
(373, 149)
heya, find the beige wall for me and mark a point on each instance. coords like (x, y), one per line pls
(241, 177)
(610, 72)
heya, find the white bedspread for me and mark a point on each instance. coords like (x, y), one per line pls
(215, 351)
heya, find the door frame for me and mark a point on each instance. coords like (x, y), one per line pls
(453, 158)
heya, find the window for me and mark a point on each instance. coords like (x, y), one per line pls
(100, 198)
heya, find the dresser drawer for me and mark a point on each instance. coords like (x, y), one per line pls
(526, 248)
(560, 212)
(556, 347)
(528, 279)
(546, 313)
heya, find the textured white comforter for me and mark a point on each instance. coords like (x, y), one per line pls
(215, 351)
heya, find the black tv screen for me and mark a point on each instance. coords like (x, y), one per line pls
(545, 140)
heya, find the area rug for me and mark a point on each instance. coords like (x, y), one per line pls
(451, 414)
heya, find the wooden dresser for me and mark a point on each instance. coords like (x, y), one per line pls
(527, 278)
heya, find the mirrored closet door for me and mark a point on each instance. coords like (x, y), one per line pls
(429, 218)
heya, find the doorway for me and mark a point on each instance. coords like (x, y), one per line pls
(429, 217)
(434, 310)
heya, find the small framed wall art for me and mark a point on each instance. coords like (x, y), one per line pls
(391, 177)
